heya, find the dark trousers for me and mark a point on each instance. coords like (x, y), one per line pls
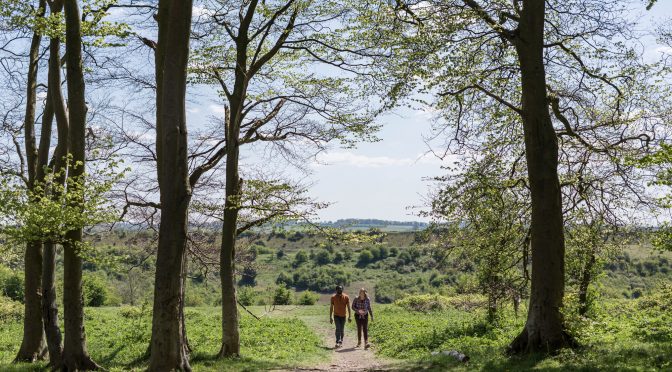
(340, 328)
(362, 327)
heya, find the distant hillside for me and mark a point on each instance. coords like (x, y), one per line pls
(355, 223)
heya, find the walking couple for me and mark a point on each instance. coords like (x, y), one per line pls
(340, 304)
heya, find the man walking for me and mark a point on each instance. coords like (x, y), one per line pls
(340, 303)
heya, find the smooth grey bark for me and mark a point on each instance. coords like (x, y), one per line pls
(33, 346)
(55, 107)
(75, 353)
(544, 330)
(168, 346)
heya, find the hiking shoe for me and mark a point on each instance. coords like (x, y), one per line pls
(359, 344)
(368, 345)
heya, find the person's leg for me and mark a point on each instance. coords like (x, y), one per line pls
(359, 330)
(340, 324)
(365, 329)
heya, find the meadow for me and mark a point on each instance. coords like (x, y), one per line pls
(421, 308)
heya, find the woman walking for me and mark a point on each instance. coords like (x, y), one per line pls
(362, 307)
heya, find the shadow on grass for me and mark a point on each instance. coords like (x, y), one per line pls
(211, 362)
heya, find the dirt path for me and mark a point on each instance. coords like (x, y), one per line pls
(348, 357)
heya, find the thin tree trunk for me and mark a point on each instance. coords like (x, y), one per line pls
(168, 348)
(586, 279)
(75, 354)
(50, 306)
(32, 345)
(227, 270)
(544, 330)
(55, 107)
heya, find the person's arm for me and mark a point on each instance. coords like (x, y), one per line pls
(370, 310)
(349, 312)
(331, 312)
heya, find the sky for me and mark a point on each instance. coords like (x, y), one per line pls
(388, 179)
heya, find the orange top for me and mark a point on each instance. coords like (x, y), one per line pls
(340, 303)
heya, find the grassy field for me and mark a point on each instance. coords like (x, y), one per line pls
(623, 335)
(118, 339)
(620, 338)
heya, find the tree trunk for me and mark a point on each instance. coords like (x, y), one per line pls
(227, 270)
(586, 279)
(55, 107)
(50, 306)
(32, 346)
(75, 354)
(168, 348)
(544, 330)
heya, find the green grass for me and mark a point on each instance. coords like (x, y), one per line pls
(119, 343)
(613, 341)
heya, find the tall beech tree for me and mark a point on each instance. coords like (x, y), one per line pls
(33, 346)
(264, 58)
(75, 354)
(168, 348)
(543, 66)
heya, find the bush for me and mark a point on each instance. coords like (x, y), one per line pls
(307, 298)
(365, 258)
(246, 296)
(338, 257)
(10, 311)
(280, 254)
(300, 258)
(320, 279)
(323, 257)
(248, 277)
(13, 287)
(284, 279)
(131, 312)
(282, 296)
(95, 290)
(424, 303)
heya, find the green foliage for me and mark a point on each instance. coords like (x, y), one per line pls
(282, 296)
(300, 258)
(50, 210)
(95, 290)
(365, 257)
(322, 257)
(320, 279)
(284, 279)
(11, 284)
(307, 298)
(10, 310)
(424, 303)
(246, 296)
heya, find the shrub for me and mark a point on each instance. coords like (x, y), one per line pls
(280, 254)
(246, 296)
(95, 290)
(424, 303)
(338, 257)
(323, 257)
(10, 311)
(248, 277)
(282, 296)
(13, 287)
(365, 258)
(300, 258)
(320, 279)
(284, 279)
(131, 312)
(307, 298)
